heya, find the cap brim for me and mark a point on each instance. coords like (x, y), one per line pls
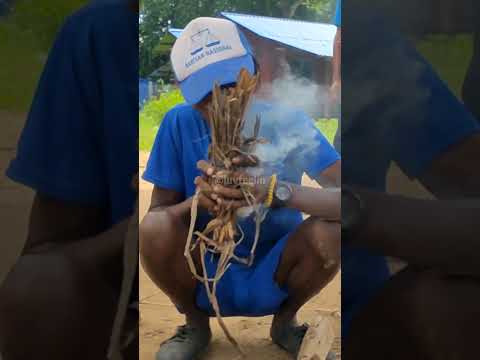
(198, 85)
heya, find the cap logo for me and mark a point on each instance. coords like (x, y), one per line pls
(203, 44)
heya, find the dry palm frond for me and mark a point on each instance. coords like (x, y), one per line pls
(222, 234)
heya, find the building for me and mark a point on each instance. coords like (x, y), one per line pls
(307, 46)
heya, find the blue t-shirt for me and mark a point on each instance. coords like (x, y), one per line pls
(397, 110)
(338, 14)
(80, 141)
(296, 146)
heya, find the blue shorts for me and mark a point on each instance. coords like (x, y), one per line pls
(247, 291)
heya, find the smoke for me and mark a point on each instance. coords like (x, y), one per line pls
(292, 137)
(287, 123)
(300, 93)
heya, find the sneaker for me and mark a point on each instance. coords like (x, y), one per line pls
(188, 343)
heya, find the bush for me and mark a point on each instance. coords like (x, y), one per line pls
(152, 115)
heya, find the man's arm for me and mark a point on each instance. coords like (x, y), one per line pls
(442, 234)
(323, 203)
(170, 200)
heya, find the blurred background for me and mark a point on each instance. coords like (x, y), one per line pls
(281, 32)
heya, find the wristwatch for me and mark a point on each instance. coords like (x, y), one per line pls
(282, 194)
(353, 214)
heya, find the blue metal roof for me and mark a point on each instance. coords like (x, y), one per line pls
(175, 32)
(315, 38)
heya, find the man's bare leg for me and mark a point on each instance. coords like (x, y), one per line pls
(310, 261)
(162, 244)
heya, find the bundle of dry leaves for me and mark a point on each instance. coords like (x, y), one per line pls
(222, 234)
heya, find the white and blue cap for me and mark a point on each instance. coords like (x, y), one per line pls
(209, 51)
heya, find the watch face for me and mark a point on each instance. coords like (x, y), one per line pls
(283, 193)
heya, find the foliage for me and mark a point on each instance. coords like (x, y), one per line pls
(152, 115)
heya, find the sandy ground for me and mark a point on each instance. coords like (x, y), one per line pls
(159, 317)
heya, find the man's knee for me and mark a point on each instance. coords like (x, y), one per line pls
(438, 311)
(51, 292)
(324, 242)
(159, 233)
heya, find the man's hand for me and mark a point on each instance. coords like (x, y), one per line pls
(215, 190)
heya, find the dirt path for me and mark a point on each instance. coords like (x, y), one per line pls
(159, 318)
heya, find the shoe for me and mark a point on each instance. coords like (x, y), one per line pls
(188, 343)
